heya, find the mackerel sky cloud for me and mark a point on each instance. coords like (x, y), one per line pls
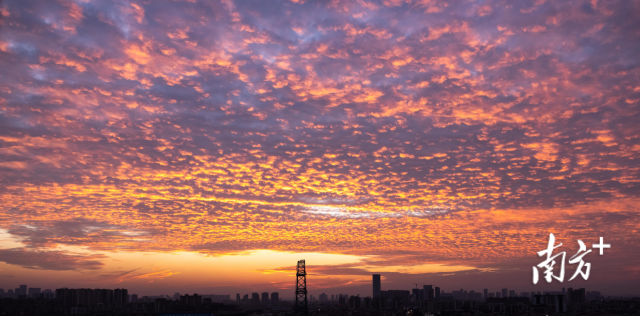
(402, 133)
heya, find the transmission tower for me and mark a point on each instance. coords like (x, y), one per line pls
(300, 309)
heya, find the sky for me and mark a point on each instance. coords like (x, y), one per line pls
(204, 146)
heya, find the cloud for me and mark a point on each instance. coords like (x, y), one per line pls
(51, 259)
(343, 212)
(405, 129)
(74, 232)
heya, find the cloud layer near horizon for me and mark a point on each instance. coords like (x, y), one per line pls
(417, 130)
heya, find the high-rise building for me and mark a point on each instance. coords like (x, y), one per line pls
(376, 285)
(238, 298)
(512, 293)
(274, 299)
(437, 293)
(255, 298)
(354, 302)
(245, 299)
(416, 294)
(428, 292)
(194, 300)
(505, 293)
(486, 293)
(576, 295)
(265, 298)
(121, 296)
(367, 303)
(34, 292)
(498, 295)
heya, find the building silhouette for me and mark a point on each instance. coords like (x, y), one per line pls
(428, 292)
(376, 285)
(90, 297)
(194, 300)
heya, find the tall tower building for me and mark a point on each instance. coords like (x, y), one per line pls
(376, 285)
(428, 292)
(486, 293)
(505, 293)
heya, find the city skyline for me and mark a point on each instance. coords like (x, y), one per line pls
(255, 297)
(206, 146)
(429, 299)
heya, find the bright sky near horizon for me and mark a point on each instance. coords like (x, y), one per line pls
(207, 146)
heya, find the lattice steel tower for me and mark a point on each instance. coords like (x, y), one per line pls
(300, 309)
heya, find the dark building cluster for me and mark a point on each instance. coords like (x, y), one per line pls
(424, 301)
(258, 300)
(431, 300)
(24, 292)
(66, 301)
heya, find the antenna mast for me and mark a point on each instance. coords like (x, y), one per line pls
(300, 308)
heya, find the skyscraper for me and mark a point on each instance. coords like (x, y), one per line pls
(376, 285)
(486, 293)
(265, 298)
(121, 296)
(274, 298)
(505, 293)
(428, 292)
